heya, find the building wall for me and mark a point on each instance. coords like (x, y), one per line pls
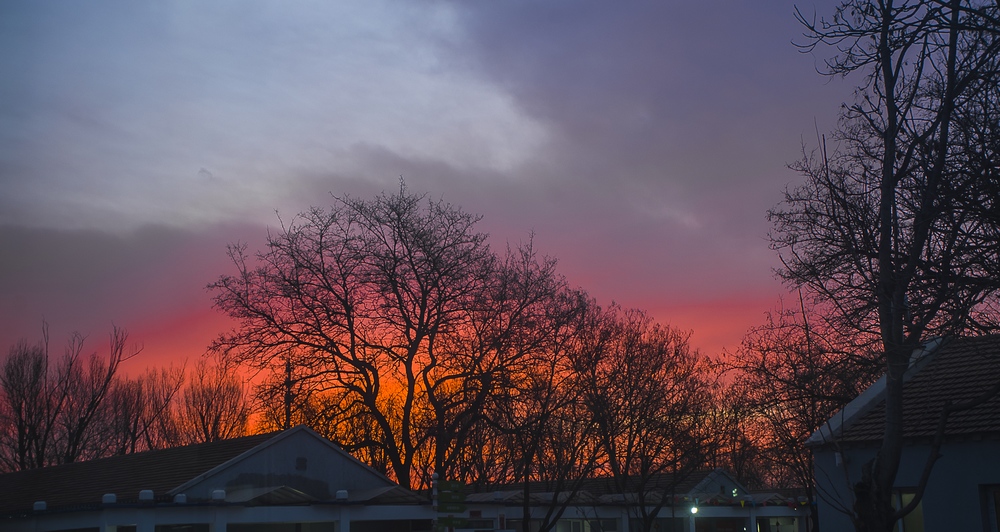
(953, 499)
(361, 518)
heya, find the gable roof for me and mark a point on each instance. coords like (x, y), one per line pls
(302, 436)
(84, 483)
(959, 370)
(193, 469)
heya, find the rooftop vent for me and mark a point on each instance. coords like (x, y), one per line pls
(146, 496)
(180, 498)
(109, 498)
(219, 495)
(39, 506)
(341, 495)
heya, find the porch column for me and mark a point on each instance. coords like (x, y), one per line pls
(345, 519)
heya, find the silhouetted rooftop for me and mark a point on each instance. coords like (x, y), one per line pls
(84, 483)
(960, 370)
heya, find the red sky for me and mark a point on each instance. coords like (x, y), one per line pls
(642, 144)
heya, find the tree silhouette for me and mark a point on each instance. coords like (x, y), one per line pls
(397, 306)
(791, 375)
(214, 406)
(54, 413)
(896, 231)
(647, 397)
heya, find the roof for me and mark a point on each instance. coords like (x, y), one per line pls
(603, 490)
(960, 370)
(84, 483)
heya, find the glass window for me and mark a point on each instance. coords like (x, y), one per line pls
(603, 525)
(569, 525)
(198, 527)
(518, 525)
(991, 508)
(996, 509)
(777, 524)
(913, 521)
(660, 524)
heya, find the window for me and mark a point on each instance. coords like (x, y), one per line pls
(777, 524)
(181, 528)
(660, 524)
(518, 524)
(479, 524)
(603, 525)
(569, 525)
(991, 508)
(913, 521)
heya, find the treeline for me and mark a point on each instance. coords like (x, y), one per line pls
(80, 406)
(391, 327)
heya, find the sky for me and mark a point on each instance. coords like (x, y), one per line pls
(641, 143)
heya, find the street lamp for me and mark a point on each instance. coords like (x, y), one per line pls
(694, 512)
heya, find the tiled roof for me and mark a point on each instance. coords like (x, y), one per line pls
(961, 370)
(84, 483)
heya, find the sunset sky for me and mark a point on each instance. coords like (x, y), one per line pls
(641, 142)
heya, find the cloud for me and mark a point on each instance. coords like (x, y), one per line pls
(642, 143)
(119, 105)
(88, 281)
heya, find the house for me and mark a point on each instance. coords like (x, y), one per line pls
(704, 501)
(287, 481)
(297, 481)
(963, 492)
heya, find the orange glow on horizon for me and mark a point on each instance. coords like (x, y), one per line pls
(715, 325)
(175, 339)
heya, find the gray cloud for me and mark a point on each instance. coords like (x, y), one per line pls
(641, 142)
(87, 280)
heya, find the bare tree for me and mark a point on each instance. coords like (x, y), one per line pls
(55, 411)
(398, 307)
(141, 412)
(214, 405)
(736, 438)
(792, 374)
(647, 397)
(522, 319)
(288, 396)
(896, 231)
(28, 412)
(84, 389)
(545, 431)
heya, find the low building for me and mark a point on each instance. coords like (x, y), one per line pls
(702, 501)
(297, 481)
(963, 492)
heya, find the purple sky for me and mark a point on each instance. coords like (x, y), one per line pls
(642, 142)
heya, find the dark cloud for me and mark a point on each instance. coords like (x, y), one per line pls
(687, 96)
(642, 143)
(88, 281)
